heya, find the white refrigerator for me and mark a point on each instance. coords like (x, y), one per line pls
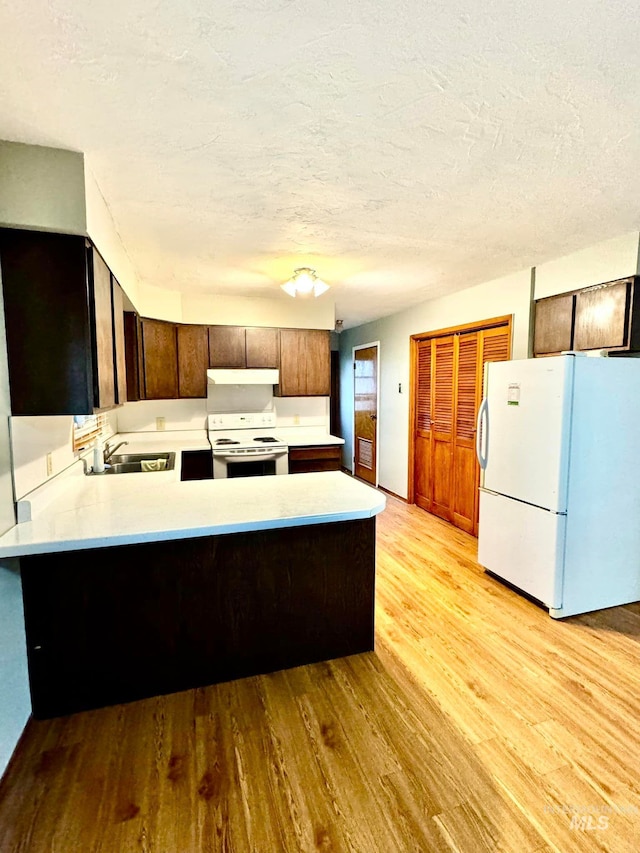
(559, 448)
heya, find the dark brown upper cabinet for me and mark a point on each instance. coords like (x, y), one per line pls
(193, 360)
(554, 324)
(119, 354)
(239, 347)
(133, 356)
(227, 346)
(159, 344)
(605, 316)
(305, 363)
(262, 347)
(59, 311)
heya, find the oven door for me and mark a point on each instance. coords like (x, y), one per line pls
(238, 464)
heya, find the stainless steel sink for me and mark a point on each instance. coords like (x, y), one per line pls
(131, 463)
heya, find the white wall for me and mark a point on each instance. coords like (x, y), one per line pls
(102, 229)
(159, 304)
(42, 188)
(282, 311)
(508, 295)
(607, 261)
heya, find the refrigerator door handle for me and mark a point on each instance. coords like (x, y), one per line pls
(482, 435)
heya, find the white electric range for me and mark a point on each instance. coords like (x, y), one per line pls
(244, 445)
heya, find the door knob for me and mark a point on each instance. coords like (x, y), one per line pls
(373, 417)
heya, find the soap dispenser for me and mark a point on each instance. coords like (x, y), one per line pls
(98, 457)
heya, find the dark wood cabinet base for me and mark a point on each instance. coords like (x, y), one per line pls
(112, 625)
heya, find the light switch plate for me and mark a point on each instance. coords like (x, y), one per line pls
(160, 424)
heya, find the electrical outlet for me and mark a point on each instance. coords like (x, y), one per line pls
(49, 464)
(296, 420)
(160, 423)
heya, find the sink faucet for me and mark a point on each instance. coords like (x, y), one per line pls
(109, 451)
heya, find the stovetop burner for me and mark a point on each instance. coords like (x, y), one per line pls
(226, 441)
(266, 439)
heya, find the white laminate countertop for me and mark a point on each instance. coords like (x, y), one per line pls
(105, 511)
(306, 436)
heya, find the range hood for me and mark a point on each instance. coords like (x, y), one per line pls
(247, 376)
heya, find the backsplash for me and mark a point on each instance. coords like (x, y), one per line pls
(192, 414)
(302, 411)
(41, 448)
(177, 414)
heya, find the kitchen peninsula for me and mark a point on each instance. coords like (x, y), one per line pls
(138, 585)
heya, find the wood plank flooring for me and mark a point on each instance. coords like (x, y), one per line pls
(477, 724)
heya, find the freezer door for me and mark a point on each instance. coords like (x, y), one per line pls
(527, 430)
(524, 545)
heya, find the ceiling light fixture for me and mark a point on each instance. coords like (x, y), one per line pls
(304, 283)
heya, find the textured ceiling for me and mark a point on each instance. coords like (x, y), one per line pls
(403, 149)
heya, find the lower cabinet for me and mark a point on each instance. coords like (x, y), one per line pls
(196, 465)
(315, 458)
(111, 625)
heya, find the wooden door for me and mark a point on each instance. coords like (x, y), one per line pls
(193, 360)
(261, 346)
(159, 359)
(119, 355)
(365, 393)
(102, 319)
(442, 371)
(467, 383)
(449, 371)
(227, 346)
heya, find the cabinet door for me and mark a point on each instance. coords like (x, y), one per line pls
(602, 317)
(133, 355)
(193, 360)
(318, 363)
(227, 346)
(554, 324)
(319, 458)
(102, 321)
(44, 284)
(305, 363)
(118, 343)
(292, 363)
(261, 347)
(159, 359)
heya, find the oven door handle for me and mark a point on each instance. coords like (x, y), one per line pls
(248, 457)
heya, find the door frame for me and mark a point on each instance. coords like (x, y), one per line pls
(414, 340)
(353, 397)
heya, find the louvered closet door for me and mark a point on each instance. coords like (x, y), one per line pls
(442, 425)
(494, 346)
(422, 427)
(467, 380)
(449, 381)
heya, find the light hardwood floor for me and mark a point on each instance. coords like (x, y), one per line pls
(478, 724)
